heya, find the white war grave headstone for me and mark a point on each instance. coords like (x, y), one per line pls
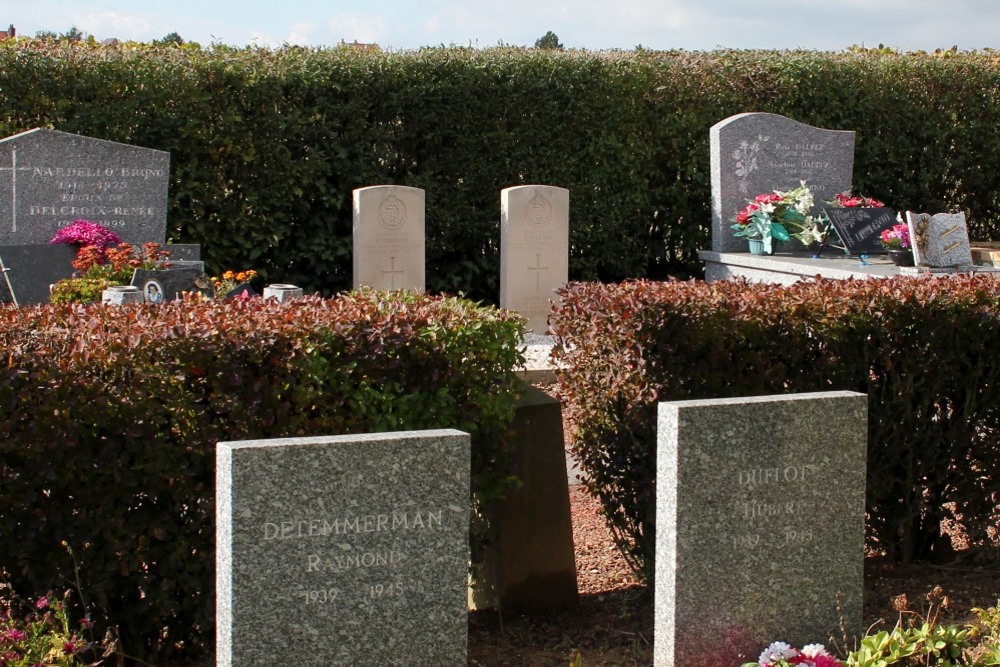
(389, 237)
(760, 524)
(343, 550)
(534, 250)
(757, 153)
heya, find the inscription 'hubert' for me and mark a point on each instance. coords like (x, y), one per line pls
(369, 523)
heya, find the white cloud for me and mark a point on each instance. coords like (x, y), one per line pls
(304, 34)
(364, 28)
(103, 25)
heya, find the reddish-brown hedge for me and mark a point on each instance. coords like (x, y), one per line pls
(110, 416)
(919, 348)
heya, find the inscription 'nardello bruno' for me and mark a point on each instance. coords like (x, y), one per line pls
(367, 523)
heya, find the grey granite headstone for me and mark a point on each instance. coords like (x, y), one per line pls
(939, 240)
(343, 550)
(759, 524)
(754, 153)
(49, 178)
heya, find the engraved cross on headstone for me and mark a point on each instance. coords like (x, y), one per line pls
(13, 169)
(538, 271)
(393, 271)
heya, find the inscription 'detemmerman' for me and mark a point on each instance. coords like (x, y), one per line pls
(369, 523)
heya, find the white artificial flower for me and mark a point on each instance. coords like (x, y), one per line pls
(814, 650)
(804, 203)
(775, 652)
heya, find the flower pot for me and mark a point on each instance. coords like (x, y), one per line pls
(901, 256)
(757, 247)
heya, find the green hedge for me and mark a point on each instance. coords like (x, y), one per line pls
(267, 145)
(109, 417)
(916, 347)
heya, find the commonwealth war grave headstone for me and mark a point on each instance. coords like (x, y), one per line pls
(534, 250)
(759, 524)
(754, 153)
(343, 550)
(389, 237)
(49, 178)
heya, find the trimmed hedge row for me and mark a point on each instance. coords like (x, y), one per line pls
(267, 145)
(109, 417)
(916, 347)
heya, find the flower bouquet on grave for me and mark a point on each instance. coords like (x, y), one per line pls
(778, 216)
(233, 284)
(97, 269)
(847, 200)
(780, 654)
(897, 242)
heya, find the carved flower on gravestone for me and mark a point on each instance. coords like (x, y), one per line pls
(746, 160)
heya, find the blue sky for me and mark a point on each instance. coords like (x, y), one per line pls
(591, 24)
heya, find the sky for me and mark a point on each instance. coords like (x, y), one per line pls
(697, 25)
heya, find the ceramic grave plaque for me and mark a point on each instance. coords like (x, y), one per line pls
(939, 240)
(860, 229)
(534, 250)
(389, 237)
(48, 179)
(755, 153)
(760, 522)
(343, 550)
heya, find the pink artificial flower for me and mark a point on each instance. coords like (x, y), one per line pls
(43, 603)
(87, 233)
(15, 635)
(68, 648)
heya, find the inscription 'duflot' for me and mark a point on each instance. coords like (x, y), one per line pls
(755, 512)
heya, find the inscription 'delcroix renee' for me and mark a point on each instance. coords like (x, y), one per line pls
(344, 557)
(757, 513)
